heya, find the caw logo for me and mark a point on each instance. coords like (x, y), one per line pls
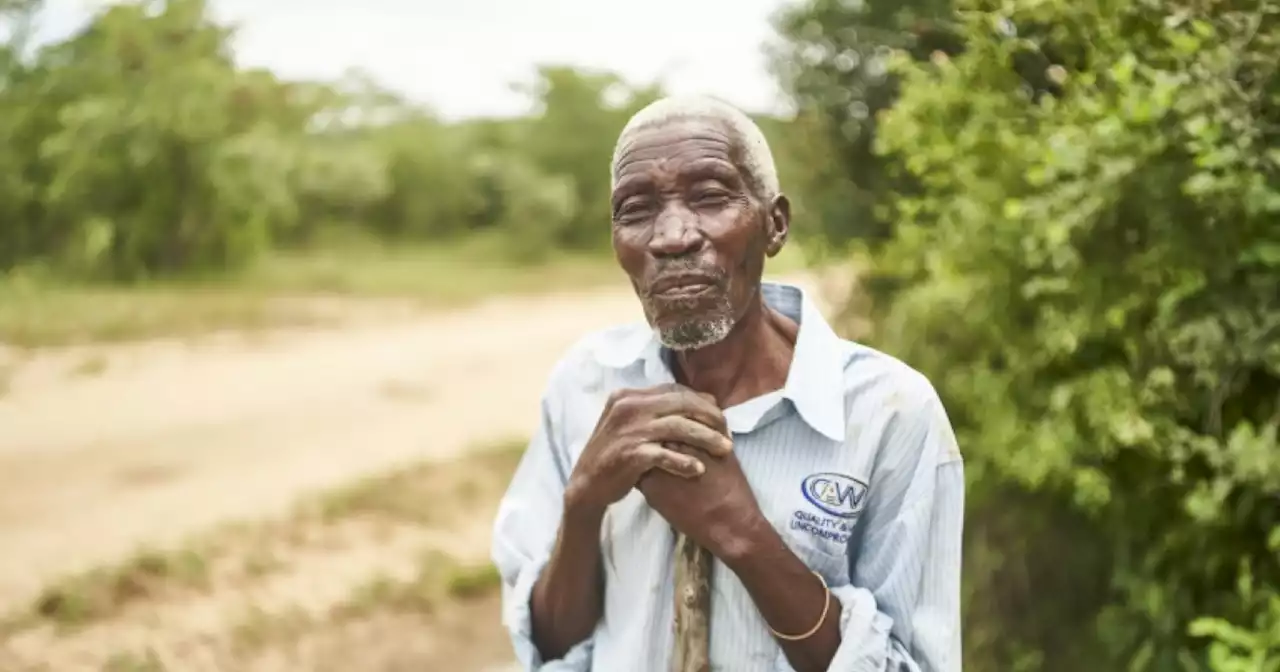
(835, 494)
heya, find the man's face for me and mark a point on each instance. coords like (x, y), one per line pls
(690, 232)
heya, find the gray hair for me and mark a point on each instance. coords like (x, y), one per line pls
(757, 159)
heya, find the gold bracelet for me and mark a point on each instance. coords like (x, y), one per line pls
(826, 606)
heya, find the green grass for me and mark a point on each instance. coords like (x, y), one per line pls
(445, 275)
(281, 290)
(94, 594)
(470, 581)
(440, 579)
(296, 289)
(144, 661)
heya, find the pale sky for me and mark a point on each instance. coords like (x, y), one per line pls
(460, 56)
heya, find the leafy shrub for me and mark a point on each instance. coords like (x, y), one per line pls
(1088, 264)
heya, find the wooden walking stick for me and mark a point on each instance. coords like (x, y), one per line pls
(693, 607)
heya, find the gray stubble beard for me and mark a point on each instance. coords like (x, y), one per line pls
(696, 332)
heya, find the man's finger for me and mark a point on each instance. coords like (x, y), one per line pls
(654, 456)
(656, 390)
(684, 401)
(640, 393)
(679, 429)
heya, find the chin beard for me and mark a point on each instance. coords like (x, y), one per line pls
(690, 324)
(695, 334)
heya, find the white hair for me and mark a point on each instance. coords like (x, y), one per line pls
(757, 159)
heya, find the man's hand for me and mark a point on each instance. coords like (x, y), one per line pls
(632, 436)
(718, 510)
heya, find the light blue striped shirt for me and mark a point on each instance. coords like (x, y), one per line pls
(853, 461)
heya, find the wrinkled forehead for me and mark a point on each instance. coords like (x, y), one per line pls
(677, 149)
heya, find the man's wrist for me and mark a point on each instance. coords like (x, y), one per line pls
(579, 512)
(754, 542)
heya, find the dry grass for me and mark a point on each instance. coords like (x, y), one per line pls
(420, 496)
(412, 590)
(439, 580)
(285, 289)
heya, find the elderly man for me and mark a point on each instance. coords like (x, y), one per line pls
(829, 488)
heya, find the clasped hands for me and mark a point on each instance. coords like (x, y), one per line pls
(673, 444)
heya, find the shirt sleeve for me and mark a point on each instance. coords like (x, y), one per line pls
(523, 536)
(901, 609)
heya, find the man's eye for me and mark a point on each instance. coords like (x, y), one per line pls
(632, 210)
(711, 198)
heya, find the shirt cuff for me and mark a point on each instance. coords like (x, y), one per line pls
(519, 623)
(865, 645)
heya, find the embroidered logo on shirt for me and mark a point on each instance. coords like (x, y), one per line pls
(839, 499)
(835, 494)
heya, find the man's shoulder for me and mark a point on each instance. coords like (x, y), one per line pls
(886, 380)
(882, 386)
(585, 360)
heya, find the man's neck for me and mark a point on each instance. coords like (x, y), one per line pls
(754, 359)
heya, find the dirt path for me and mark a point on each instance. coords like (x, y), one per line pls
(106, 449)
(386, 573)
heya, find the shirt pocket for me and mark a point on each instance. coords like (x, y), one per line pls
(832, 563)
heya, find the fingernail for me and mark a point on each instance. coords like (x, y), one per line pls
(698, 468)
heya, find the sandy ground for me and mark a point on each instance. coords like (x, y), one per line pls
(165, 439)
(104, 450)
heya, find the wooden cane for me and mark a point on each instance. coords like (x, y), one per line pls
(693, 607)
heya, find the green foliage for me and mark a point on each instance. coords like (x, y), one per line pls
(137, 149)
(1246, 649)
(834, 62)
(572, 136)
(153, 95)
(1085, 244)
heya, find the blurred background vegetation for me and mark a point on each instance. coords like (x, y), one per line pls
(1067, 214)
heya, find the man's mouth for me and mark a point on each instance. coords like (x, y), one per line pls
(686, 291)
(683, 287)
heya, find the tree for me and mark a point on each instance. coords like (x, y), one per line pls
(137, 149)
(578, 117)
(149, 92)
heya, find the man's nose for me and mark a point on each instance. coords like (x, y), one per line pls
(675, 233)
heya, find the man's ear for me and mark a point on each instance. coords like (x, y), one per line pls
(777, 224)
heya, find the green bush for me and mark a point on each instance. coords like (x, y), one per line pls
(137, 148)
(1088, 266)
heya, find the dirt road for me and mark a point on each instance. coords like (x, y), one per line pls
(104, 450)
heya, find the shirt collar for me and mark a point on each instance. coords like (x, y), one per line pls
(815, 383)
